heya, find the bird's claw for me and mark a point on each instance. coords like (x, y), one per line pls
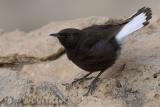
(80, 80)
(92, 88)
(77, 81)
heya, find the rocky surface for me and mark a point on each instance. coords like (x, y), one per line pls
(34, 72)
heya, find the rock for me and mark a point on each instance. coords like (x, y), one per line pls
(17, 47)
(10, 84)
(16, 91)
(155, 24)
(95, 102)
(47, 79)
(47, 71)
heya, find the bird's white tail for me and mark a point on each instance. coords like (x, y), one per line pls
(137, 21)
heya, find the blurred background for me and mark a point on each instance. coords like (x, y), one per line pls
(28, 15)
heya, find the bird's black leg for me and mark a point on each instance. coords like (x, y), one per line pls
(82, 79)
(93, 85)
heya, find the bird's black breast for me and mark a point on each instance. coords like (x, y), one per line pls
(98, 57)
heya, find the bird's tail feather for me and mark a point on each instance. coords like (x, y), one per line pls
(135, 22)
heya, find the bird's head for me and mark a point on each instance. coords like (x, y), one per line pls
(68, 37)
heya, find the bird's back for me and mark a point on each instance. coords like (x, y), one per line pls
(107, 31)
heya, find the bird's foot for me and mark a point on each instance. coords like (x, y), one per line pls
(81, 80)
(92, 87)
(74, 83)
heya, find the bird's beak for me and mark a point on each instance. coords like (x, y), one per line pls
(55, 35)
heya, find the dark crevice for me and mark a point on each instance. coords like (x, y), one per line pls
(54, 57)
(17, 61)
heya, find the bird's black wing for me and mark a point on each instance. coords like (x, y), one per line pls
(99, 41)
(108, 31)
(104, 48)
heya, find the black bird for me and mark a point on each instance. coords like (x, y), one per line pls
(97, 47)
